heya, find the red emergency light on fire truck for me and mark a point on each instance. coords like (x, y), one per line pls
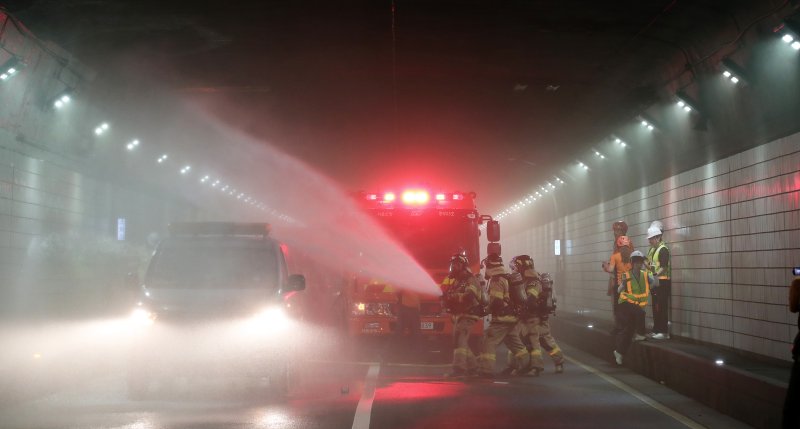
(432, 226)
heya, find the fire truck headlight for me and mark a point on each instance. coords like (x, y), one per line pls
(359, 309)
(372, 309)
(142, 316)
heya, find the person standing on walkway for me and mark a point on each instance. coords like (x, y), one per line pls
(634, 292)
(620, 229)
(660, 267)
(617, 265)
(791, 406)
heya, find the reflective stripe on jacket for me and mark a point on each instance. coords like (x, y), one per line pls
(635, 292)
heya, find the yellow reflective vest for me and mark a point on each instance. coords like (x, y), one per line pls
(662, 272)
(636, 290)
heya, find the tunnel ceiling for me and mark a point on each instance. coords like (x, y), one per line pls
(489, 96)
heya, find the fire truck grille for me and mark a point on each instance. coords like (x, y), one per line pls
(430, 309)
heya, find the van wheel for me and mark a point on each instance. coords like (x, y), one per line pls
(137, 387)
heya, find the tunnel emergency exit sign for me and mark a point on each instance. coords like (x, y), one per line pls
(121, 229)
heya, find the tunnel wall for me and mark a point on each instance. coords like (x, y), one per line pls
(62, 191)
(733, 227)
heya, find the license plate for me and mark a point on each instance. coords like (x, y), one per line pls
(426, 325)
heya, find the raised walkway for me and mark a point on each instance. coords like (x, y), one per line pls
(744, 387)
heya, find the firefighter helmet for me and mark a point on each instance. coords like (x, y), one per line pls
(521, 263)
(458, 263)
(620, 227)
(623, 241)
(494, 260)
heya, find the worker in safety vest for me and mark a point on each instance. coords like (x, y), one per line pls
(620, 229)
(619, 263)
(462, 298)
(505, 302)
(634, 292)
(658, 259)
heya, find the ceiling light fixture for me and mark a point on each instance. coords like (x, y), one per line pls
(62, 99)
(10, 68)
(789, 34)
(101, 129)
(732, 72)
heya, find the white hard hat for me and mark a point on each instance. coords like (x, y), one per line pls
(637, 254)
(657, 224)
(653, 231)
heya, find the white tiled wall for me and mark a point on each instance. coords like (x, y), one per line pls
(733, 227)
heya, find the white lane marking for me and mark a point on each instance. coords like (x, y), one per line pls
(342, 362)
(368, 363)
(640, 396)
(364, 408)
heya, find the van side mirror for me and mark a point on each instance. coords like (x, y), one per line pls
(493, 231)
(297, 282)
(132, 280)
(493, 248)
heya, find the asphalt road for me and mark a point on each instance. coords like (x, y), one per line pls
(362, 390)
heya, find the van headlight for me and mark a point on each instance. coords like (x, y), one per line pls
(272, 319)
(142, 316)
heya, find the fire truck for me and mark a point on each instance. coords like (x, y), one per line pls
(432, 227)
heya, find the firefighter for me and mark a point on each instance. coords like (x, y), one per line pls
(535, 328)
(462, 298)
(634, 292)
(505, 301)
(547, 306)
(661, 268)
(408, 323)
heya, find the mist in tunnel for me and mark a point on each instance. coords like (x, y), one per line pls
(309, 212)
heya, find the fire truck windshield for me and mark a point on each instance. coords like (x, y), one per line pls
(433, 236)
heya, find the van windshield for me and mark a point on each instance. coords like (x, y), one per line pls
(214, 263)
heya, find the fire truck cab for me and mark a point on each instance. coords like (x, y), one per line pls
(432, 226)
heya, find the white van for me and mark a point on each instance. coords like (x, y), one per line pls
(214, 302)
